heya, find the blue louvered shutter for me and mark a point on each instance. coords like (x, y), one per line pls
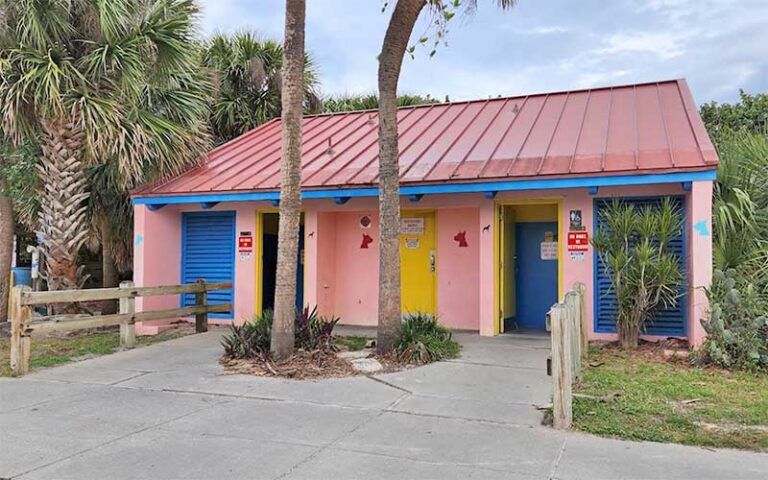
(667, 322)
(208, 252)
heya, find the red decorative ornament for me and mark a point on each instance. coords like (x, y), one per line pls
(367, 240)
(461, 237)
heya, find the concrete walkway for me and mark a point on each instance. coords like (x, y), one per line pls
(167, 412)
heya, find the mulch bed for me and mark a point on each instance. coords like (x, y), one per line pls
(304, 365)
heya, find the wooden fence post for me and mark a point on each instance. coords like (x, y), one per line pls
(581, 290)
(562, 380)
(573, 307)
(201, 299)
(127, 329)
(20, 341)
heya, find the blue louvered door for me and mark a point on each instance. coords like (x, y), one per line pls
(667, 322)
(208, 252)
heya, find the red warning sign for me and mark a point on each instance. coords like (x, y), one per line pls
(578, 241)
(245, 243)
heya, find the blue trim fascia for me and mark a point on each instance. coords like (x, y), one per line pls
(447, 188)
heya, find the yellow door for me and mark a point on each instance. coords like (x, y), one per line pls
(418, 257)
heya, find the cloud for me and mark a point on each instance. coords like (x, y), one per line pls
(537, 46)
(665, 45)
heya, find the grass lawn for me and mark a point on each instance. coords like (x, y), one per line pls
(60, 349)
(350, 342)
(672, 402)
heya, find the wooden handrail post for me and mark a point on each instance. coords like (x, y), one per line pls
(20, 341)
(127, 328)
(201, 299)
(562, 380)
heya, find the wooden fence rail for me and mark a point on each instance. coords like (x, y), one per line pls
(23, 326)
(569, 349)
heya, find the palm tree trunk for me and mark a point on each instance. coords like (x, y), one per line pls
(109, 276)
(62, 219)
(390, 61)
(6, 249)
(290, 181)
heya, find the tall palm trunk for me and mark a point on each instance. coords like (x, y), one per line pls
(6, 249)
(390, 61)
(62, 217)
(290, 180)
(109, 276)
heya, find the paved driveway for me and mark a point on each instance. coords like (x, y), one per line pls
(166, 412)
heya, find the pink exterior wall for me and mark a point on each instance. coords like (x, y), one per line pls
(342, 279)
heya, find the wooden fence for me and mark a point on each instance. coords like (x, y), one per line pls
(23, 325)
(569, 349)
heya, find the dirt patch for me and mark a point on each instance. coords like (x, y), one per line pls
(669, 350)
(305, 365)
(728, 428)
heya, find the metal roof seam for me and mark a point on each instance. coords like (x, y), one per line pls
(554, 132)
(401, 150)
(527, 136)
(501, 138)
(581, 129)
(456, 138)
(683, 91)
(370, 144)
(607, 130)
(249, 149)
(429, 145)
(413, 142)
(310, 137)
(635, 128)
(322, 152)
(667, 140)
(479, 137)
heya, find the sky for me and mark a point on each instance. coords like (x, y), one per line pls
(719, 46)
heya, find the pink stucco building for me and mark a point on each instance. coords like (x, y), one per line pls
(499, 197)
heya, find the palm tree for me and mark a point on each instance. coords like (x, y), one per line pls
(246, 73)
(369, 101)
(393, 50)
(290, 180)
(7, 226)
(98, 81)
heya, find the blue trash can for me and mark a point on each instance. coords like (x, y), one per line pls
(22, 276)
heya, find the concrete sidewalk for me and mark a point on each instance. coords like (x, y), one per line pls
(167, 412)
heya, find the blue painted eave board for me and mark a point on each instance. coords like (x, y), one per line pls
(446, 188)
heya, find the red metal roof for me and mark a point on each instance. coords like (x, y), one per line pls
(630, 129)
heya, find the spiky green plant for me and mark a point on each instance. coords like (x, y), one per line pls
(634, 246)
(740, 207)
(423, 340)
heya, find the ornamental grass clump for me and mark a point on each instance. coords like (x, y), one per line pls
(423, 340)
(634, 246)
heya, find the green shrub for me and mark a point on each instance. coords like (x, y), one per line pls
(313, 332)
(737, 325)
(252, 338)
(423, 340)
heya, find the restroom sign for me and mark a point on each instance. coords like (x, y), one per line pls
(578, 241)
(412, 226)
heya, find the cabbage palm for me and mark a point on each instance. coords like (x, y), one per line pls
(246, 73)
(98, 81)
(394, 47)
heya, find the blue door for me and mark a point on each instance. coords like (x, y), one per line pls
(535, 279)
(208, 252)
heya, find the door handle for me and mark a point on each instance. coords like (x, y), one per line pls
(432, 261)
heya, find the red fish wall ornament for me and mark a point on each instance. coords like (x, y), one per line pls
(367, 240)
(461, 237)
